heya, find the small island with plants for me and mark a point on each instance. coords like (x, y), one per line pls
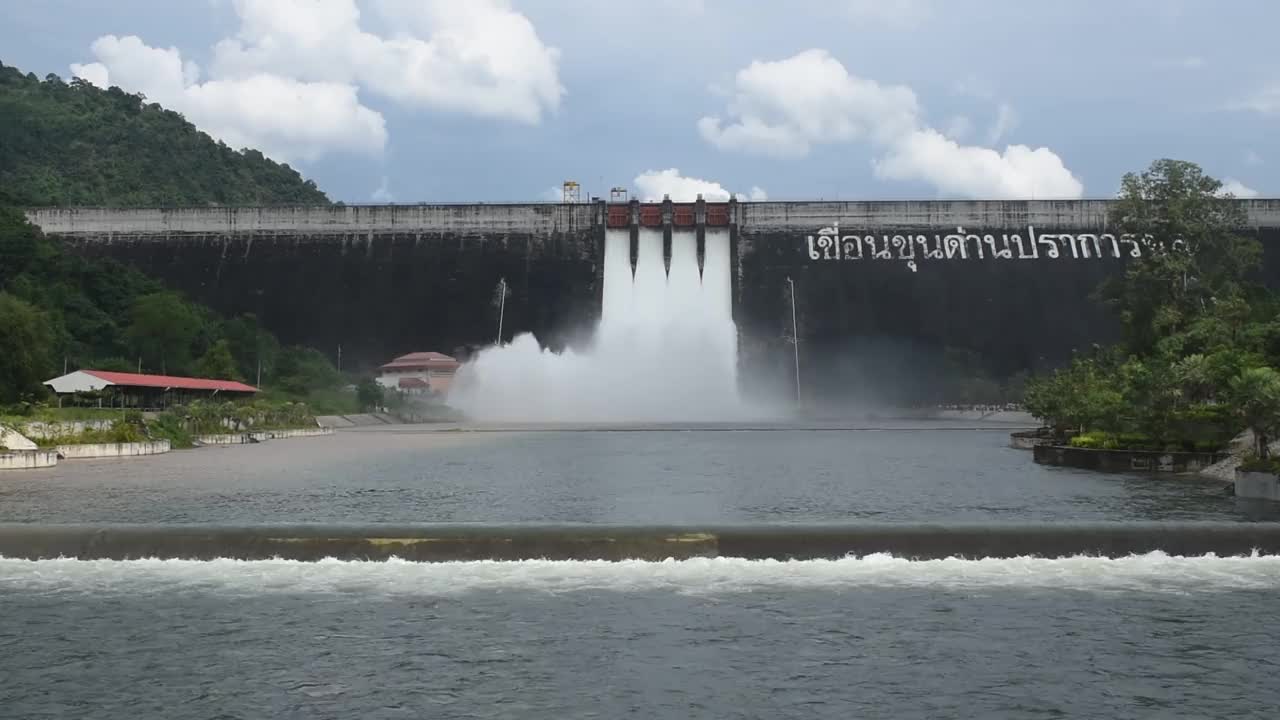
(1192, 378)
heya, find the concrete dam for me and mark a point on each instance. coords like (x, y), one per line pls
(886, 293)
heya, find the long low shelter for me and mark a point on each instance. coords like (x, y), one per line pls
(141, 390)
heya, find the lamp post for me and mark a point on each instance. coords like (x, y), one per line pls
(795, 337)
(502, 306)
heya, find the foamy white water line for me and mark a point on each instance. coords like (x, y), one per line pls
(1152, 572)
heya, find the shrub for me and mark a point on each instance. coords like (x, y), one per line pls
(1253, 463)
(168, 426)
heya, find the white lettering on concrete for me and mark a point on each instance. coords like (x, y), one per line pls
(832, 244)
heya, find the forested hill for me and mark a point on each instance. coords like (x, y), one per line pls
(75, 144)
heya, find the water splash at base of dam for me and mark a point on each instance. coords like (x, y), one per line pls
(665, 348)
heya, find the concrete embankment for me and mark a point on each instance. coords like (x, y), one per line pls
(112, 450)
(27, 459)
(248, 438)
(440, 543)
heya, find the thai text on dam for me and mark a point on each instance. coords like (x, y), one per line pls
(829, 244)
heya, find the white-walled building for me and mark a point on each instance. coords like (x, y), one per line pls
(141, 390)
(419, 373)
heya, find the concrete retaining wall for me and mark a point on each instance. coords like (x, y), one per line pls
(441, 543)
(112, 450)
(1124, 460)
(231, 438)
(297, 433)
(54, 430)
(1028, 439)
(14, 440)
(249, 438)
(28, 459)
(1257, 486)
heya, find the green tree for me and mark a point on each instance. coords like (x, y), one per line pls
(27, 360)
(76, 144)
(1193, 255)
(162, 329)
(300, 370)
(19, 245)
(217, 363)
(369, 394)
(252, 346)
(1083, 396)
(1257, 400)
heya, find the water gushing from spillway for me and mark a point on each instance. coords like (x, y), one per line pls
(665, 349)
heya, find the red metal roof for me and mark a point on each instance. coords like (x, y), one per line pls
(433, 360)
(170, 381)
(412, 382)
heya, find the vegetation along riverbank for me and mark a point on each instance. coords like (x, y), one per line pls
(1196, 364)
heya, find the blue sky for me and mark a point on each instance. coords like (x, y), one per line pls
(425, 100)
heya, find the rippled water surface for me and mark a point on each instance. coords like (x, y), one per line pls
(876, 637)
(618, 477)
(1148, 637)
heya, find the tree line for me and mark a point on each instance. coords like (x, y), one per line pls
(1200, 333)
(58, 309)
(75, 144)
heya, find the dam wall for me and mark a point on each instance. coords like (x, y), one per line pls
(890, 295)
(379, 281)
(892, 298)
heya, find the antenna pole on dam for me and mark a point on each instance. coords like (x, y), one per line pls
(440, 543)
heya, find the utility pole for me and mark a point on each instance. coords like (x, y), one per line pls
(795, 337)
(502, 306)
(339, 358)
(259, 382)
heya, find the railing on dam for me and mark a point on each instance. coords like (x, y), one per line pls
(437, 543)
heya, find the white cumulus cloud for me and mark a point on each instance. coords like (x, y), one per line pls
(289, 82)
(479, 57)
(967, 170)
(653, 185)
(783, 108)
(285, 118)
(1231, 186)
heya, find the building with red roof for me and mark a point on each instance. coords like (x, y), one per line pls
(141, 390)
(419, 373)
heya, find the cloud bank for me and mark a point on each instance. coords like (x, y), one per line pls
(286, 118)
(653, 185)
(784, 108)
(1235, 188)
(290, 80)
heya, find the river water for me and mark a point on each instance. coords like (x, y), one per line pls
(1149, 636)
(661, 477)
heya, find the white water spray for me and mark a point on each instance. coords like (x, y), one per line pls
(666, 347)
(1151, 573)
